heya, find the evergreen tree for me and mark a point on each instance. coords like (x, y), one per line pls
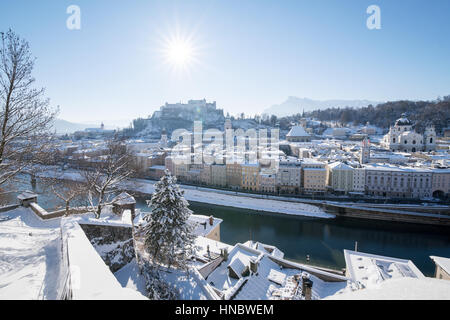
(169, 239)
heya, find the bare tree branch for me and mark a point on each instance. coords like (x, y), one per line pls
(25, 114)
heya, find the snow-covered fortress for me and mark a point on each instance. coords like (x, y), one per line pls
(402, 137)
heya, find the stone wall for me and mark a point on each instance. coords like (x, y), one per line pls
(113, 243)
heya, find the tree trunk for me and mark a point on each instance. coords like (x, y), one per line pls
(99, 205)
(134, 243)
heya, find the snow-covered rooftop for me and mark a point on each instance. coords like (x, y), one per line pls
(271, 280)
(401, 289)
(123, 199)
(444, 263)
(370, 269)
(202, 224)
(340, 166)
(297, 131)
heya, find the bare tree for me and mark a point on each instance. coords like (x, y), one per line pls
(106, 174)
(65, 190)
(25, 115)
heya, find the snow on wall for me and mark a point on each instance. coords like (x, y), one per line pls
(91, 278)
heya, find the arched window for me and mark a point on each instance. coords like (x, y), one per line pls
(406, 141)
(431, 140)
(393, 140)
(414, 141)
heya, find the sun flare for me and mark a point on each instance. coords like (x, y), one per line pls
(179, 52)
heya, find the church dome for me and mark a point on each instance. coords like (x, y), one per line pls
(403, 121)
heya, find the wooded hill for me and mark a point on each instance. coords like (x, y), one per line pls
(422, 113)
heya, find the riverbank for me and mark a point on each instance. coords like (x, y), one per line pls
(210, 196)
(429, 214)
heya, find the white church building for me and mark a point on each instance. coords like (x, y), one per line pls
(402, 137)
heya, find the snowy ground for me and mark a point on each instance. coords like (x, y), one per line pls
(218, 197)
(188, 288)
(29, 256)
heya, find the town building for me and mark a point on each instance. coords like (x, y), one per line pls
(442, 270)
(340, 177)
(205, 174)
(234, 174)
(169, 164)
(402, 137)
(370, 270)
(250, 172)
(398, 182)
(258, 272)
(441, 183)
(218, 175)
(298, 134)
(359, 180)
(364, 156)
(289, 176)
(314, 176)
(267, 181)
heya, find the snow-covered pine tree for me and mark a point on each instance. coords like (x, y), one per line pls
(169, 239)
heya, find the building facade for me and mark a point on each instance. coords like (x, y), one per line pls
(234, 174)
(398, 182)
(267, 182)
(441, 183)
(218, 175)
(359, 180)
(289, 177)
(340, 177)
(402, 137)
(249, 175)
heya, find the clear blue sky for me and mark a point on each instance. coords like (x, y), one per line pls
(251, 54)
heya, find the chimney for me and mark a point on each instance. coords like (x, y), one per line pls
(211, 220)
(253, 266)
(224, 253)
(306, 286)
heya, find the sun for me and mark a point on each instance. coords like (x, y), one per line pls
(179, 53)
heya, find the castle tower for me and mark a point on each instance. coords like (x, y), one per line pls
(163, 141)
(364, 157)
(227, 125)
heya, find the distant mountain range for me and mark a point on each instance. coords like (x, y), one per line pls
(63, 126)
(294, 105)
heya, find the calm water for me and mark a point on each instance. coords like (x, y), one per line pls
(323, 239)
